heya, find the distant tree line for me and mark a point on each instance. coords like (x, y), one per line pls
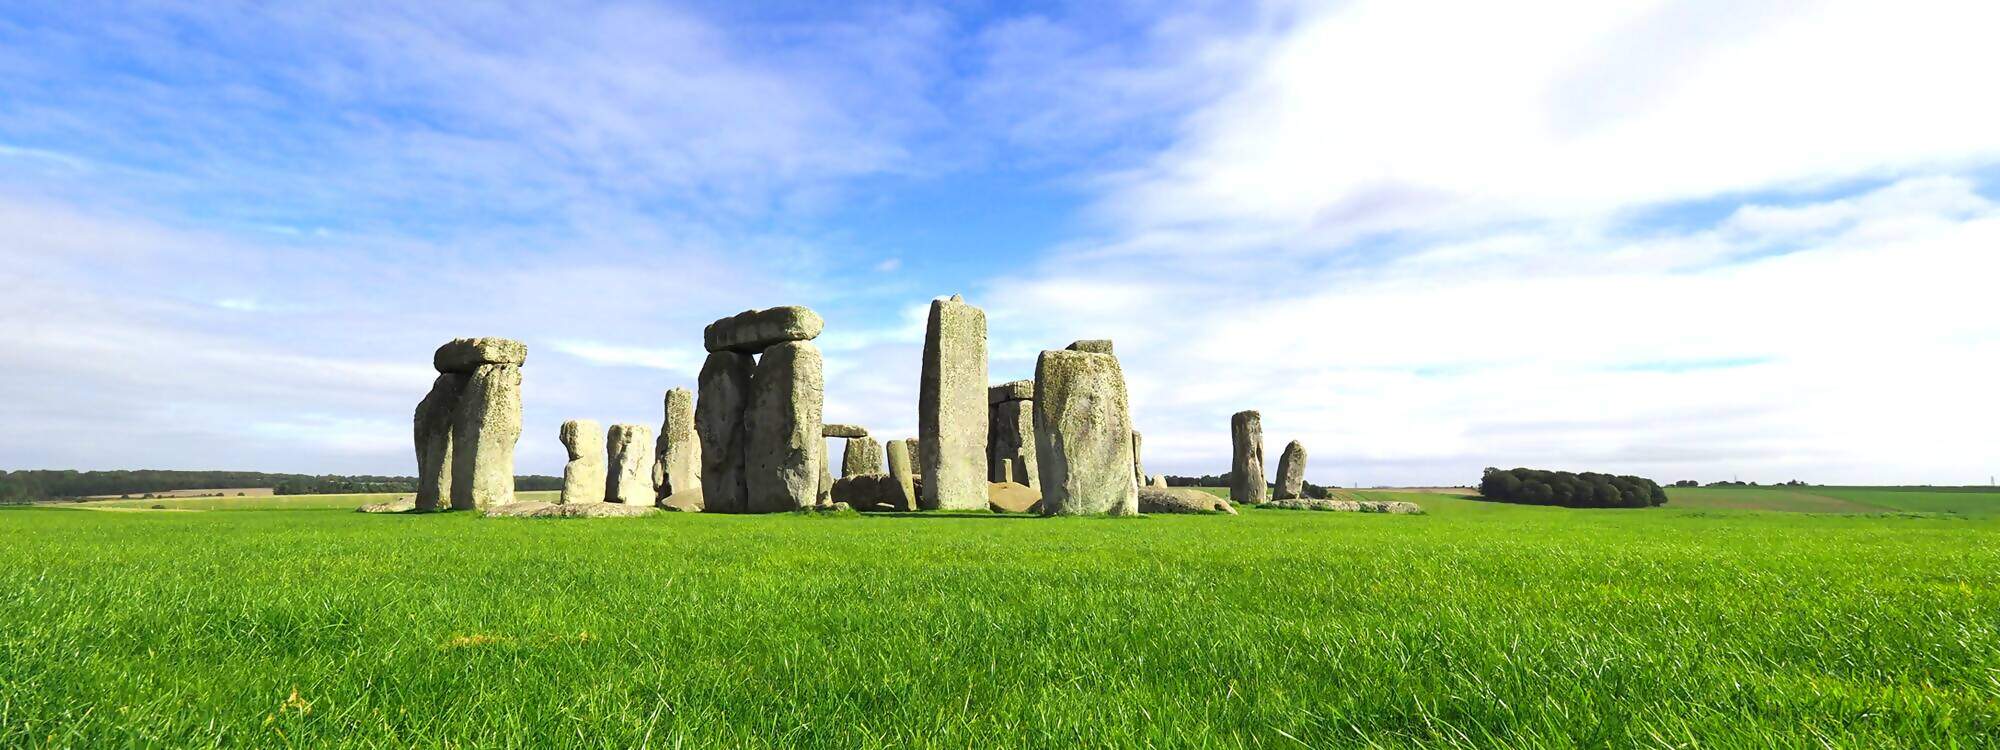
(1206, 480)
(42, 484)
(1585, 490)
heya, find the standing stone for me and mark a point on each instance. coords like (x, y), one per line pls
(1083, 435)
(951, 408)
(1011, 433)
(677, 452)
(433, 433)
(862, 456)
(630, 451)
(724, 386)
(583, 476)
(825, 473)
(899, 470)
(1246, 459)
(753, 331)
(1138, 466)
(784, 450)
(1292, 472)
(485, 427)
(1159, 480)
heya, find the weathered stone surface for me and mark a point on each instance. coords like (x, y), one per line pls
(1013, 390)
(862, 455)
(629, 475)
(1138, 465)
(677, 450)
(466, 355)
(1181, 500)
(579, 510)
(866, 491)
(1159, 480)
(825, 496)
(583, 476)
(784, 451)
(1083, 435)
(1350, 506)
(1246, 458)
(724, 386)
(689, 501)
(1012, 497)
(1094, 346)
(843, 430)
(899, 470)
(753, 331)
(1011, 438)
(433, 423)
(1291, 472)
(398, 505)
(951, 408)
(484, 429)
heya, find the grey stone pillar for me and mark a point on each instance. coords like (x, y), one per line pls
(951, 408)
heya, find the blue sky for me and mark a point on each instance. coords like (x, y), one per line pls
(1685, 240)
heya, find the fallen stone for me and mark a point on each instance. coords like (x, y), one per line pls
(1181, 500)
(784, 450)
(521, 509)
(583, 476)
(1083, 435)
(629, 473)
(1013, 390)
(467, 355)
(1246, 458)
(433, 426)
(899, 470)
(843, 431)
(951, 408)
(724, 386)
(398, 505)
(1012, 497)
(677, 451)
(1094, 346)
(753, 331)
(581, 510)
(1291, 472)
(683, 502)
(862, 455)
(485, 427)
(1350, 506)
(868, 490)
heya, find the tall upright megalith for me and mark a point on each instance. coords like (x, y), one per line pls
(1083, 435)
(951, 408)
(899, 470)
(784, 449)
(1010, 433)
(677, 451)
(1292, 472)
(724, 384)
(863, 455)
(1138, 465)
(1246, 458)
(487, 421)
(629, 476)
(583, 474)
(433, 423)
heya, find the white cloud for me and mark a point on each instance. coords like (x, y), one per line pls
(678, 361)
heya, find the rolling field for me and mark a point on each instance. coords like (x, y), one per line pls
(1479, 624)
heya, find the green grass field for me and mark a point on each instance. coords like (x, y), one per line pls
(299, 624)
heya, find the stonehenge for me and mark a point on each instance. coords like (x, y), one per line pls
(1291, 472)
(1010, 434)
(629, 475)
(783, 449)
(951, 408)
(583, 476)
(677, 451)
(1083, 435)
(1246, 458)
(843, 431)
(466, 427)
(433, 433)
(899, 470)
(1138, 468)
(755, 331)
(863, 455)
(1181, 500)
(723, 394)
